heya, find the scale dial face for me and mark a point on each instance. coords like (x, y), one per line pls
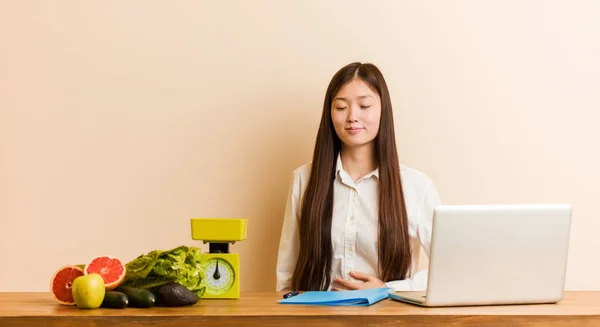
(219, 276)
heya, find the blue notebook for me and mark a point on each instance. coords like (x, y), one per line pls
(342, 298)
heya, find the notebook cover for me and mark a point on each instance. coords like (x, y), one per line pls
(340, 298)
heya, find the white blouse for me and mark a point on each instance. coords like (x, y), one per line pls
(354, 227)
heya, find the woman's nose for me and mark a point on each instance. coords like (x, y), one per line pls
(352, 115)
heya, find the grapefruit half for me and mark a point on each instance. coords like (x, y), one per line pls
(61, 282)
(110, 268)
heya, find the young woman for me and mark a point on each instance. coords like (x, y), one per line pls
(355, 217)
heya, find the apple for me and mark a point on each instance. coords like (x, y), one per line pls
(88, 291)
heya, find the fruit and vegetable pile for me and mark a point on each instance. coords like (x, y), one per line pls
(165, 278)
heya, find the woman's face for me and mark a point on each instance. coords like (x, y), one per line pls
(355, 113)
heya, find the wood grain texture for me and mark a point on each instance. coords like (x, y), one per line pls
(39, 309)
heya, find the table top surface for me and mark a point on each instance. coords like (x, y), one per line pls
(580, 303)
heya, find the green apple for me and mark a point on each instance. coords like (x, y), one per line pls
(88, 291)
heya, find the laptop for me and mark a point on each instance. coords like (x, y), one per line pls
(495, 254)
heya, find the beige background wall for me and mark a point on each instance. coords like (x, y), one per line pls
(120, 120)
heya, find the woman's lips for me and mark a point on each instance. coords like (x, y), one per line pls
(354, 130)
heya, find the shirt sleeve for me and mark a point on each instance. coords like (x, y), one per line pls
(289, 242)
(430, 200)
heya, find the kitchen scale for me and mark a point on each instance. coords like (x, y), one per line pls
(222, 268)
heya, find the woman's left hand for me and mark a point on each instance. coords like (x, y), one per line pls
(368, 281)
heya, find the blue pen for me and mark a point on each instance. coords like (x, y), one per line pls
(290, 294)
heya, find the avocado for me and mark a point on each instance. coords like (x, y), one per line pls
(176, 295)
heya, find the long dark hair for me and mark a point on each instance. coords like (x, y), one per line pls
(313, 267)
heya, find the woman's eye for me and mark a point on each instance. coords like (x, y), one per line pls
(364, 107)
(340, 108)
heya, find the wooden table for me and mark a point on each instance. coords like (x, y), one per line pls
(262, 309)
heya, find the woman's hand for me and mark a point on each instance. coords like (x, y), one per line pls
(368, 281)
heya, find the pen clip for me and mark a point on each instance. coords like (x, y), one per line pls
(290, 294)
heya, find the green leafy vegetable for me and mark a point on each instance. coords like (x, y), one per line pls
(156, 268)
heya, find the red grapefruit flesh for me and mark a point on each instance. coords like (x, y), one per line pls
(110, 268)
(60, 285)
